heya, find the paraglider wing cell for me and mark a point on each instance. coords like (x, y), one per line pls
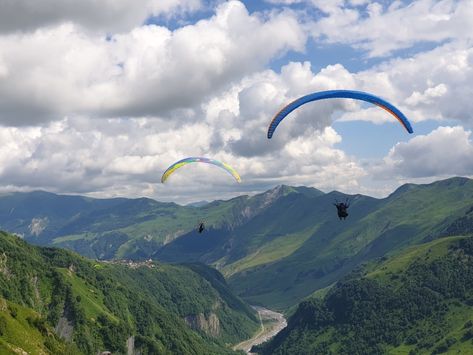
(186, 161)
(338, 94)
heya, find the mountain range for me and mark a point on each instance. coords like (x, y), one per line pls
(274, 248)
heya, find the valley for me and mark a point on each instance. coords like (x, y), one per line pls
(271, 323)
(284, 251)
(286, 233)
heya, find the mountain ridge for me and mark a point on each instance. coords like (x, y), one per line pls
(275, 247)
(416, 302)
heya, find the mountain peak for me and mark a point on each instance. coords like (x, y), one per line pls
(276, 192)
(282, 190)
(402, 189)
(446, 183)
(453, 181)
(198, 203)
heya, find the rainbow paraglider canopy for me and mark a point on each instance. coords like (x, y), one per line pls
(189, 160)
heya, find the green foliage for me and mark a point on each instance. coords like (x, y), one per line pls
(113, 334)
(3, 325)
(413, 214)
(106, 305)
(40, 338)
(148, 345)
(422, 310)
(13, 311)
(272, 259)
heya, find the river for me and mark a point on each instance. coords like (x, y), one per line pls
(271, 323)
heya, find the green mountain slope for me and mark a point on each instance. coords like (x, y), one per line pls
(263, 218)
(122, 228)
(417, 302)
(16, 321)
(275, 248)
(41, 215)
(375, 228)
(67, 302)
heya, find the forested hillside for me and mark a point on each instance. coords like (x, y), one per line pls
(418, 302)
(69, 304)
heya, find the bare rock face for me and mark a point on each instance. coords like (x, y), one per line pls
(210, 325)
(64, 329)
(37, 295)
(130, 346)
(17, 350)
(3, 266)
(3, 305)
(71, 269)
(268, 198)
(38, 225)
(171, 236)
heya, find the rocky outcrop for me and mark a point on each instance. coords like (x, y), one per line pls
(171, 236)
(38, 225)
(266, 200)
(130, 346)
(210, 324)
(64, 328)
(37, 296)
(3, 305)
(3, 266)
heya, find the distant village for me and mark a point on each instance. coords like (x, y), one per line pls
(131, 263)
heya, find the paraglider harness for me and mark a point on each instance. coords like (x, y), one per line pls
(342, 208)
(201, 227)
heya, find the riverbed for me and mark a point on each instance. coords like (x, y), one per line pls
(271, 323)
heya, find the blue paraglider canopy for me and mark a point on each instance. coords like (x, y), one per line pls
(339, 94)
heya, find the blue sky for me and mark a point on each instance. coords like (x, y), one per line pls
(100, 99)
(380, 137)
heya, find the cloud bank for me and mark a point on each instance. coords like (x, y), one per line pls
(101, 107)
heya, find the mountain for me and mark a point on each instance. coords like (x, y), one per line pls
(254, 220)
(119, 228)
(297, 245)
(42, 214)
(69, 304)
(274, 248)
(198, 203)
(417, 302)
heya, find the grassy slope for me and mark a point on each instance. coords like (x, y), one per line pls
(107, 303)
(374, 228)
(15, 322)
(459, 313)
(271, 251)
(443, 324)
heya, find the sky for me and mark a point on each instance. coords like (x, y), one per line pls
(99, 97)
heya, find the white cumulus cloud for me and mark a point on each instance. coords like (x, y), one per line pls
(83, 112)
(62, 71)
(152, 71)
(382, 29)
(446, 151)
(105, 16)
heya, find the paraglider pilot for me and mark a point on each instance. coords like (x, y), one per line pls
(342, 209)
(201, 227)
